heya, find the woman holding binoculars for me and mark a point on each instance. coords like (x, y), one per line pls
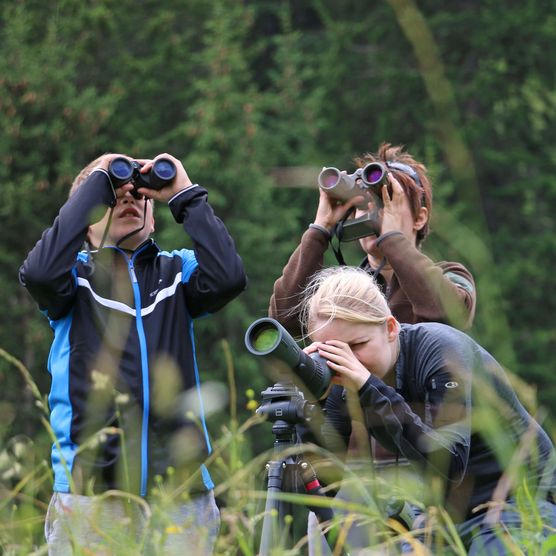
(417, 288)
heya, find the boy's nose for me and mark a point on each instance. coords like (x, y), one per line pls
(124, 191)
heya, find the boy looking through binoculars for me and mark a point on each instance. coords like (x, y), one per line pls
(123, 363)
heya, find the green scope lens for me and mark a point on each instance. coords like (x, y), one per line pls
(265, 338)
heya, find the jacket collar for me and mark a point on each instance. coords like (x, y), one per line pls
(147, 250)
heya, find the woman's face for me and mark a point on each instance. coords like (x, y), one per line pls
(375, 346)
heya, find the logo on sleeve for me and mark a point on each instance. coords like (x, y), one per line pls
(451, 384)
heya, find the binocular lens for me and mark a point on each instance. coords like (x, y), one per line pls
(329, 178)
(330, 181)
(264, 338)
(164, 169)
(373, 173)
(121, 169)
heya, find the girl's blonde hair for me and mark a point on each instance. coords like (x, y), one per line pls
(345, 293)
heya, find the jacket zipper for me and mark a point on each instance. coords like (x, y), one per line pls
(144, 377)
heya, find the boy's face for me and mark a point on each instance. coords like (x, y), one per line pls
(126, 218)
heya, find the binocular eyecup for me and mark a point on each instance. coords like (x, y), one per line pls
(373, 175)
(266, 337)
(123, 170)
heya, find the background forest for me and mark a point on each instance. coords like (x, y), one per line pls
(254, 97)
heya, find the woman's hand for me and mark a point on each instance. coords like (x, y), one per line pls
(393, 210)
(349, 371)
(330, 211)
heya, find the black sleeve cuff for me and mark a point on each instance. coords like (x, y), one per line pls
(180, 202)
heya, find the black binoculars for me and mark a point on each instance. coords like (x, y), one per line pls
(346, 186)
(123, 170)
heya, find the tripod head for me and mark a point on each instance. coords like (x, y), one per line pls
(285, 406)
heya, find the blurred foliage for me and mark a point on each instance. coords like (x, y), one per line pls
(236, 89)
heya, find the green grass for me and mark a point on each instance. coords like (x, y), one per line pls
(239, 473)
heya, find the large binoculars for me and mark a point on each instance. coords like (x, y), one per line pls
(123, 170)
(268, 338)
(363, 181)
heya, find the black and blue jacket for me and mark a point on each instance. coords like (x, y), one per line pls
(125, 394)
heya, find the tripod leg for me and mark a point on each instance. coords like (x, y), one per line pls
(324, 514)
(274, 512)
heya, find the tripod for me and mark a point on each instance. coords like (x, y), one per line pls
(285, 406)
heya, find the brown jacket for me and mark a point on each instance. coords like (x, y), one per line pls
(420, 290)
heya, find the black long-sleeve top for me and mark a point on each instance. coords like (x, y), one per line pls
(452, 414)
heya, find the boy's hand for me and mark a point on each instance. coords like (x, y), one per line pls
(179, 183)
